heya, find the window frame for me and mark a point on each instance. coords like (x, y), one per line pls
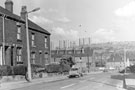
(33, 57)
(33, 39)
(45, 42)
(19, 32)
(46, 57)
(19, 55)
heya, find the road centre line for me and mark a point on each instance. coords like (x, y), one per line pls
(67, 86)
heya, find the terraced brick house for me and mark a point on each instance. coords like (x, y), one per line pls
(13, 36)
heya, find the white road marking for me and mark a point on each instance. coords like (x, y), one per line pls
(67, 86)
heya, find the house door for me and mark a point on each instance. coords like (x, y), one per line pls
(7, 55)
(40, 58)
(46, 58)
(12, 62)
(0, 55)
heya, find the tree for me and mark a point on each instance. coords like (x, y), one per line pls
(132, 68)
(68, 60)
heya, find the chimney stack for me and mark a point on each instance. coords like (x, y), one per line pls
(23, 12)
(9, 5)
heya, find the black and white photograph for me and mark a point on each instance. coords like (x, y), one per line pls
(67, 44)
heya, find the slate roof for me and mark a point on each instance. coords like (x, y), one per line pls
(31, 24)
(9, 14)
(115, 58)
(36, 27)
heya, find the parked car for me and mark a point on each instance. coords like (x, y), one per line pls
(75, 72)
(101, 68)
(127, 70)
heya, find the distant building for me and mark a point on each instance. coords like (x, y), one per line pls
(80, 54)
(15, 38)
(115, 61)
(100, 57)
(130, 55)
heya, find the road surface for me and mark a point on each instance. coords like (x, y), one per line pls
(102, 81)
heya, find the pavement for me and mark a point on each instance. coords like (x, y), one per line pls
(130, 81)
(130, 84)
(24, 83)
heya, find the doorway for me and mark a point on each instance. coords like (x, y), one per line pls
(1, 55)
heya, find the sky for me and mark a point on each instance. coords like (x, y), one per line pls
(101, 20)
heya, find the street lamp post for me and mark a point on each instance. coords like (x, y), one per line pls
(125, 52)
(80, 65)
(88, 60)
(124, 82)
(28, 45)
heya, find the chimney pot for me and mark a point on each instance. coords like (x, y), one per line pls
(9, 5)
(24, 9)
(23, 12)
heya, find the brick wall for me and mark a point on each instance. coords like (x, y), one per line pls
(12, 43)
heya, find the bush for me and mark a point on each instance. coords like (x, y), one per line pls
(65, 67)
(37, 68)
(67, 59)
(20, 70)
(52, 68)
(132, 68)
(5, 70)
(57, 68)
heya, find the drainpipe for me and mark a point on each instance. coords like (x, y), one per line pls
(3, 45)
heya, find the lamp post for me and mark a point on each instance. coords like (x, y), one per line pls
(80, 65)
(124, 82)
(88, 51)
(124, 62)
(28, 45)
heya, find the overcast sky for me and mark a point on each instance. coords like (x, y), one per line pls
(102, 20)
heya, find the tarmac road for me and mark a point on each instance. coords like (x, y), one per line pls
(100, 81)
